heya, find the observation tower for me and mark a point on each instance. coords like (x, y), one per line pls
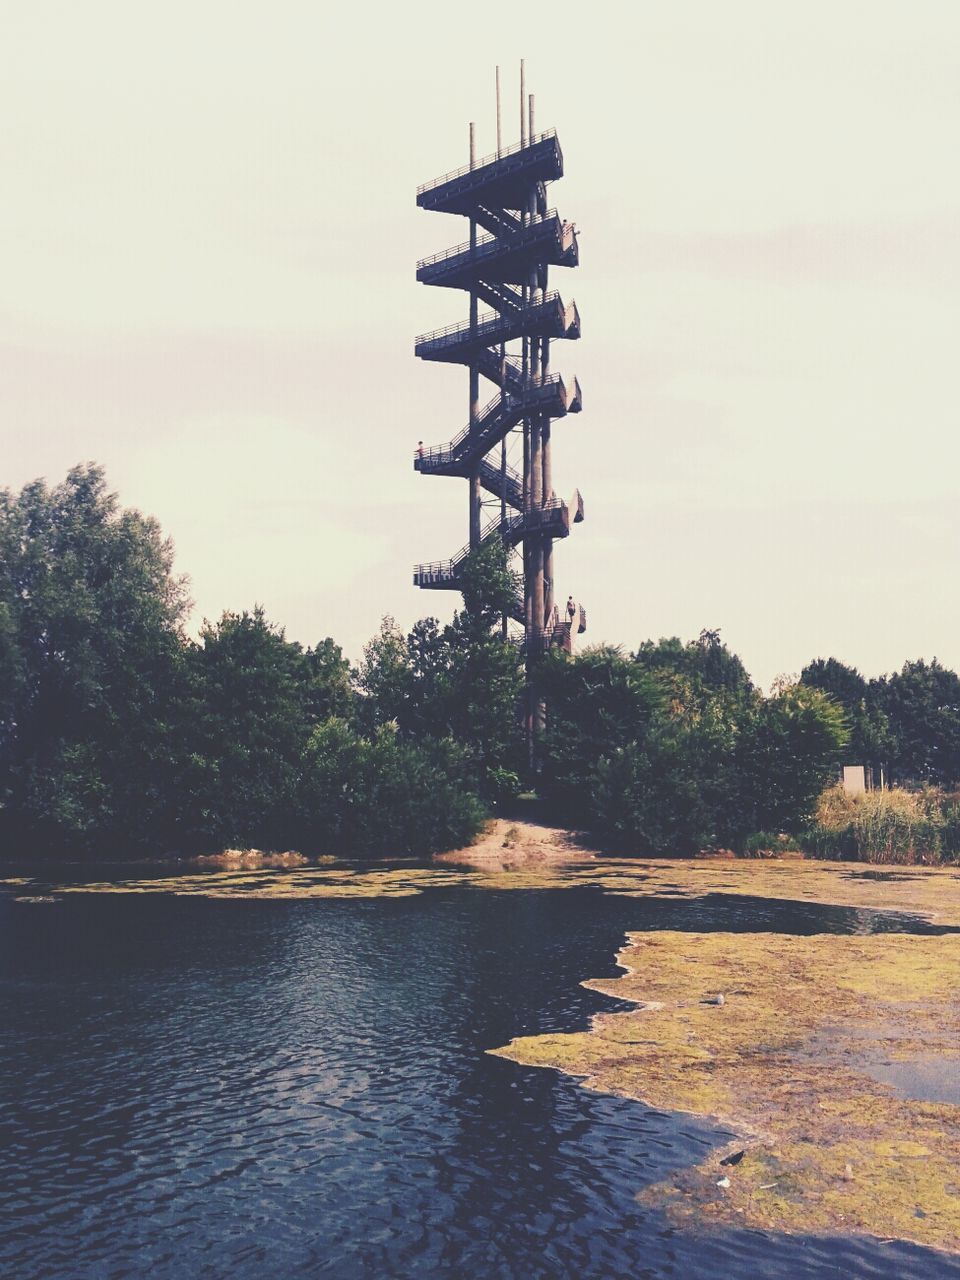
(505, 450)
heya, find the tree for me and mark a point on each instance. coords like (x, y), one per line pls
(329, 691)
(90, 662)
(870, 742)
(385, 678)
(704, 665)
(253, 690)
(786, 756)
(463, 682)
(922, 705)
(598, 704)
(489, 586)
(382, 795)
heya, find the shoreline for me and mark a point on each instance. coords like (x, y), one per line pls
(518, 844)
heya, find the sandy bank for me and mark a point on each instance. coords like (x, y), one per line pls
(516, 844)
(249, 860)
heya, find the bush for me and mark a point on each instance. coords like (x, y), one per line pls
(379, 795)
(832, 844)
(764, 843)
(888, 824)
(502, 784)
(950, 831)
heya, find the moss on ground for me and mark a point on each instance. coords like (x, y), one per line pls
(829, 1148)
(931, 892)
(307, 883)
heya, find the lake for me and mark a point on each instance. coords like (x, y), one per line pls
(203, 1088)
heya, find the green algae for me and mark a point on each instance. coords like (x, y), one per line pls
(829, 1148)
(931, 892)
(277, 885)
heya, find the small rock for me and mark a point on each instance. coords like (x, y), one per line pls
(718, 999)
(723, 1182)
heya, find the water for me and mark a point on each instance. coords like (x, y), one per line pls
(197, 1088)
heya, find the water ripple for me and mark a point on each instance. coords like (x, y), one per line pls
(301, 1089)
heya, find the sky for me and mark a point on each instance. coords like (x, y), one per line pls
(208, 238)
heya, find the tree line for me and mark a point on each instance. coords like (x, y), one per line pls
(121, 735)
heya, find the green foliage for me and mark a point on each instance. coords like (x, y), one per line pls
(385, 677)
(787, 753)
(251, 722)
(502, 784)
(870, 742)
(489, 587)
(463, 682)
(950, 831)
(922, 704)
(91, 662)
(599, 703)
(762, 843)
(674, 749)
(118, 733)
(888, 825)
(907, 723)
(702, 665)
(382, 795)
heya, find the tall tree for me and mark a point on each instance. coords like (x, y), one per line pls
(870, 740)
(922, 704)
(705, 665)
(90, 660)
(461, 682)
(253, 689)
(786, 756)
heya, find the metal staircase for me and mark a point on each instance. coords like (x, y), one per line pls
(514, 239)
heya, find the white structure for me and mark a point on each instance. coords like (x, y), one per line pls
(854, 779)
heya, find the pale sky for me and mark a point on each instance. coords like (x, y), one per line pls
(208, 236)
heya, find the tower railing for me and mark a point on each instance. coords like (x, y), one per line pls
(494, 156)
(514, 400)
(486, 320)
(487, 245)
(510, 528)
(493, 327)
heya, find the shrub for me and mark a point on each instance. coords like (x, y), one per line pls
(764, 843)
(888, 824)
(950, 831)
(379, 795)
(502, 784)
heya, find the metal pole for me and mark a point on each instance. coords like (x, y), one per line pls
(523, 105)
(474, 478)
(536, 455)
(499, 144)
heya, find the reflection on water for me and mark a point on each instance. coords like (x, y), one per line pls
(202, 1089)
